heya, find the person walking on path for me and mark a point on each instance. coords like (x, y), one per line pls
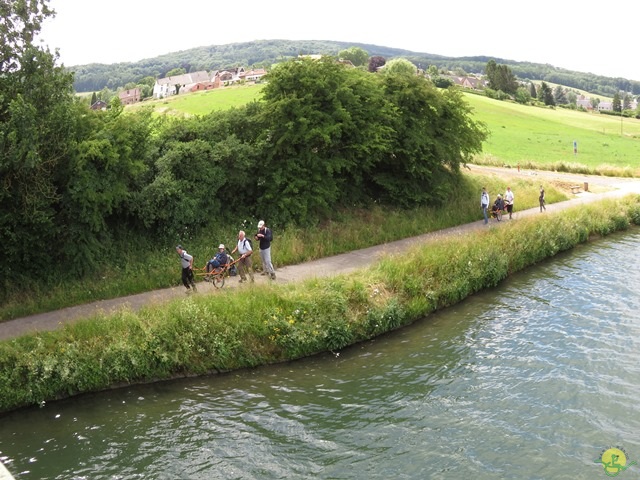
(541, 199)
(244, 262)
(484, 204)
(264, 236)
(508, 200)
(187, 269)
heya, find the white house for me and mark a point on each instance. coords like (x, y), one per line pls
(605, 106)
(253, 75)
(167, 86)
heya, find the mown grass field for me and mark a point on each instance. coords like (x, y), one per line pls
(521, 134)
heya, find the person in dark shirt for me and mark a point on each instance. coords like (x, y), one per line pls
(265, 236)
(498, 205)
(541, 199)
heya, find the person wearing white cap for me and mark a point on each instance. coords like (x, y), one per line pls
(265, 236)
(221, 258)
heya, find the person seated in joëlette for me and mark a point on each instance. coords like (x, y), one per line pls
(220, 260)
(498, 204)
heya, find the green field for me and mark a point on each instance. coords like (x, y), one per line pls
(202, 103)
(518, 133)
(521, 134)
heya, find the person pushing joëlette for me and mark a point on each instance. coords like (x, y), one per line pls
(244, 248)
(187, 269)
(508, 200)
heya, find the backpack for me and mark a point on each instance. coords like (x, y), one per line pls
(247, 239)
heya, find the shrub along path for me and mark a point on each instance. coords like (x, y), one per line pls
(338, 264)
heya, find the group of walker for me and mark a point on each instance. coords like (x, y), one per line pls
(220, 265)
(499, 205)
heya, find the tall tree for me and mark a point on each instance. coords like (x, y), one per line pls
(38, 118)
(490, 72)
(501, 77)
(400, 66)
(323, 126)
(533, 90)
(546, 94)
(616, 104)
(559, 95)
(21, 21)
(433, 136)
(356, 55)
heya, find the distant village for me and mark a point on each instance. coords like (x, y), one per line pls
(187, 83)
(202, 80)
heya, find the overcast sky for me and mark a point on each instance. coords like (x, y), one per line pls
(564, 33)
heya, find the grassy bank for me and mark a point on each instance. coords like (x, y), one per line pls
(142, 266)
(275, 323)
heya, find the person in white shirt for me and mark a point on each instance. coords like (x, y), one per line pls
(484, 204)
(508, 200)
(187, 269)
(245, 250)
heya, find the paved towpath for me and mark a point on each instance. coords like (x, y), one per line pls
(344, 263)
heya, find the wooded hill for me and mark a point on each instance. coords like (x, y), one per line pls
(264, 53)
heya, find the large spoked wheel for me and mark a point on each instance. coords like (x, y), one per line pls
(499, 215)
(218, 281)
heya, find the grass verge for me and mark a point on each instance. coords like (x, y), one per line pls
(566, 167)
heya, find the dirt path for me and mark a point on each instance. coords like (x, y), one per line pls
(599, 187)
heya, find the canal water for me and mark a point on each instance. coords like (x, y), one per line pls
(532, 380)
